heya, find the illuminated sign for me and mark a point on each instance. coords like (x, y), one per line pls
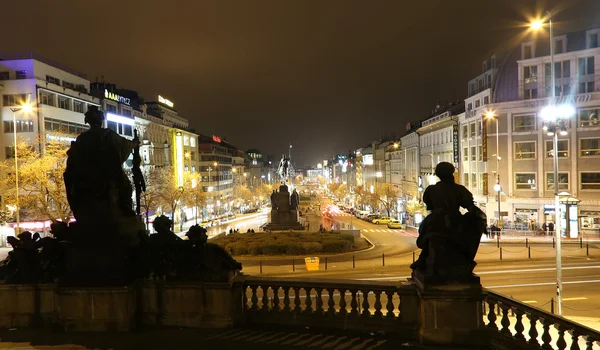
(60, 138)
(367, 159)
(119, 119)
(115, 97)
(455, 143)
(216, 139)
(165, 101)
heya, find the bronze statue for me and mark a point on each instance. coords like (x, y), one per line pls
(448, 239)
(294, 199)
(274, 200)
(97, 187)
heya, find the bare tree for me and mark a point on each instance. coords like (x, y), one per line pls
(387, 195)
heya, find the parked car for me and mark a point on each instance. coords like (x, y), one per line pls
(382, 220)
(371, 217)
(207, 223)
(394, 223)
(250, 211)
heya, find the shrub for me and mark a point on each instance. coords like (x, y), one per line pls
(336, 246)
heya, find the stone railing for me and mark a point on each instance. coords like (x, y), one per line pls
(522, 326)
(341, 305)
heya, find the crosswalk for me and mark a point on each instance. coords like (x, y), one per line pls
(400, 232)
(302, 339)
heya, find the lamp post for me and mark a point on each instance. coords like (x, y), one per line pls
(555, 122)
(26, 108)
(216, 165)
(209, 181)
(492, 115)
(498, 190)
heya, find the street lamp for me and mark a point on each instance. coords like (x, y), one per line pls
(497, 187)
(26, 108)
(554, 123)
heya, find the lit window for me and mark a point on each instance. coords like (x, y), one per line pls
(525, 150)
(563, 148)
(563, 181)
(525, 181)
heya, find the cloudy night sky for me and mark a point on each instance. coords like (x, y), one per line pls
(326, 76)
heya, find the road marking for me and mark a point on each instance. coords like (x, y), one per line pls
(530, 301)
(573, 299)
(540, 284)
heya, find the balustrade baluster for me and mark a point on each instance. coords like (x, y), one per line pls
(319, 300)
(574, 340)
(533, 333)
(492, 315)
(390, 304)
(343, 304)
(546, 338)
(519, 328)
(245, 298)
(353, 303)
(560, 342)
(297, 309)
(276, 298)
(307, 301)
(378, 305)
(505, 322)
(589, 343)
(286, 299)
(265, 298)
(254, 298)
(330, 301)
(365, 304)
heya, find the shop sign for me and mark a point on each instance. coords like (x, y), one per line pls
(165, 101)
(216, 139)
(570, 99)
(112, 96)
(485, 184)
(484, 142)
(455, 143)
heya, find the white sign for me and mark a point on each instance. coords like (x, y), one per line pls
(60, 138)
(115, 97)
(165, 101)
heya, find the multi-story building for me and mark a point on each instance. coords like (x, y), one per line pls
(438, 141)
(215, 166)
(524, 163)
(238, 168)
(410, 171)
(59, 97)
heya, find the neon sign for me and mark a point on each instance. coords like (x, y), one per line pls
(115, 97)
(216, 139)
(165, 101)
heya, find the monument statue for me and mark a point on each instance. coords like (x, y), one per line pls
(98, 190)
(274, 200)
(283, 168)
(284, 210)
(448, 239)
(295, 199)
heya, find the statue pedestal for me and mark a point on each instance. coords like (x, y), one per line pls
(96, 263)
(451, 312)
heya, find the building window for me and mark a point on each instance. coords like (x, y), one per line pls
(530, 74)
(525, 122)
(586, 87)
(473, 180)
(525, 150)
(586, 65)
(477, 103)
(126, 112)
(22, 126)
(21, 74)
(78, 106)
(64, 102)
(52, 80)
(111, 109)
(186, 140)
(480, 153)
(589, 117)
(47, 98)
(469, 106)
(9, 152)
(192, 141)
(473, 154)
(472, 129)
(68, 85)
(589, 147)
(592, 40)
(62, 126)
(527, 52)
(559, 46)
(4, 75)
(563, 148)
(15, 100)
(466, 154)
(465, 131)
(530, 94)
(562, 70)
(466, 180)
(525, 181)
(590, 181)
(486, 100)
(563, 181)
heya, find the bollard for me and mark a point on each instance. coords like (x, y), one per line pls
(261, 267)
(580, 242)
(587, 249)
(529, 252)
(382, 259)
(500, 253)
(325, 263)
(353, 262)
(552, 305)
(553, 242)
(498, 240)
(293, 265)
(526, 242)
(413, 256)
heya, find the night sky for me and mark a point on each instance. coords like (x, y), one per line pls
(326, 76)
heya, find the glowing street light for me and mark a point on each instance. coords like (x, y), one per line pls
(537, 24)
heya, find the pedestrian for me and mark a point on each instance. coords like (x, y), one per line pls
(551, 228)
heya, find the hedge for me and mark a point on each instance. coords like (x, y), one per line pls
(285, 243)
